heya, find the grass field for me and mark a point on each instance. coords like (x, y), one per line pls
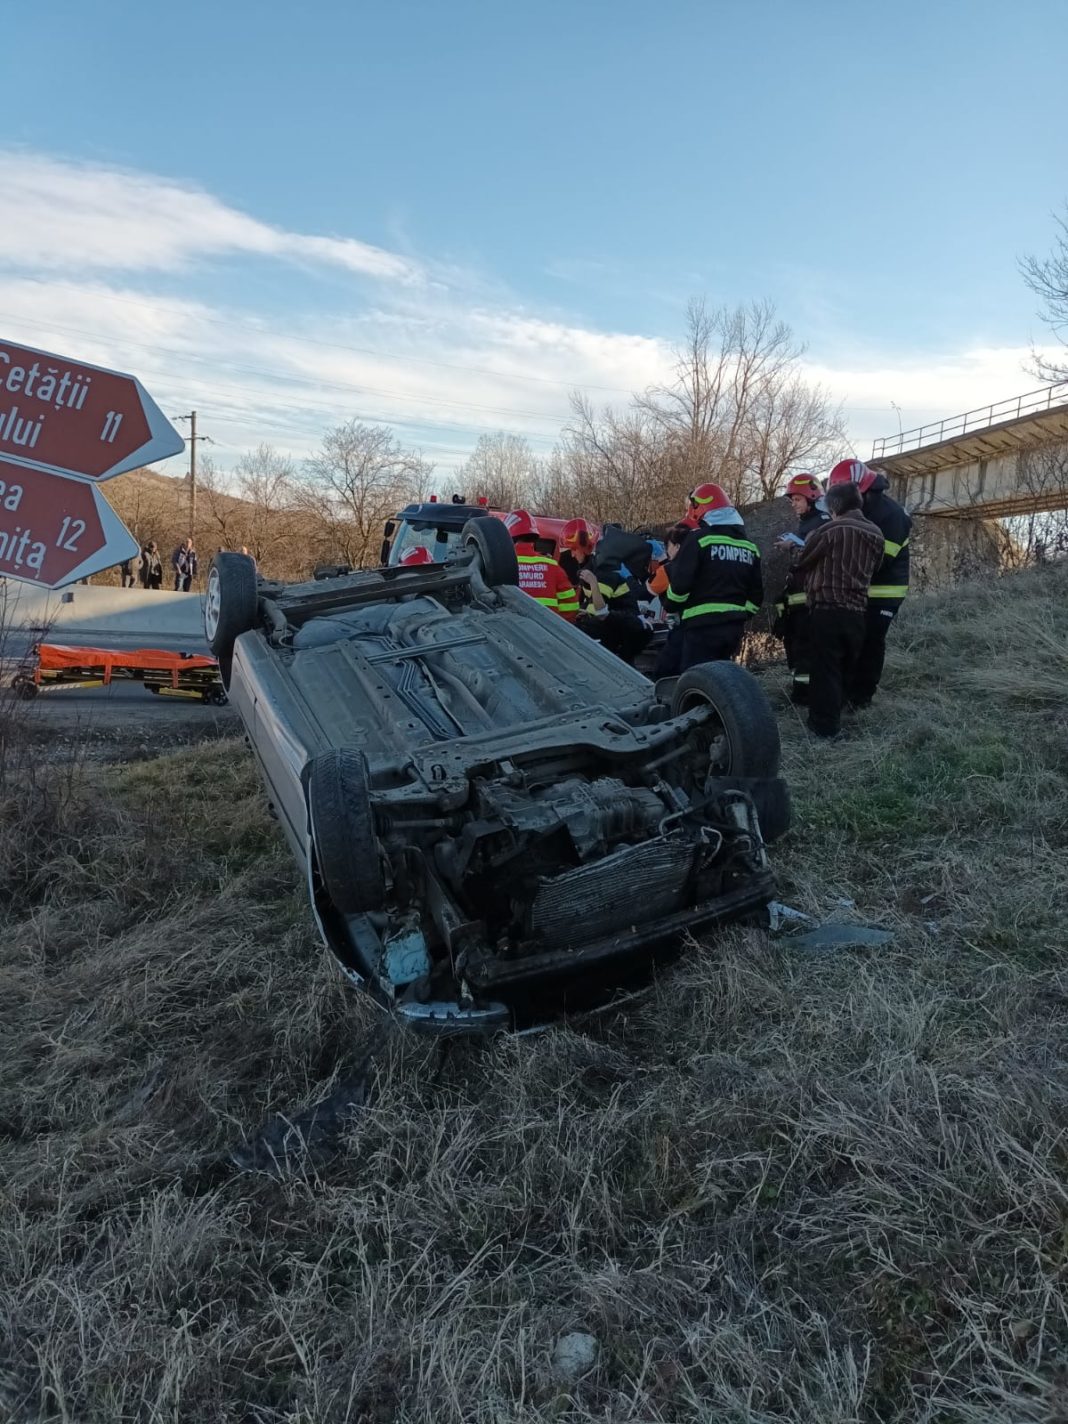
(782, 1187)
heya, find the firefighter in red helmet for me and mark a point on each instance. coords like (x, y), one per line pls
(577, 542)
(891, 581)
(805, 493)
(715, 581)
(540, 575)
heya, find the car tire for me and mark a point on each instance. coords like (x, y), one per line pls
(496, 552)
(343, 831)
(744, 713)
(770, 796)
(26, 689)
(230, 605)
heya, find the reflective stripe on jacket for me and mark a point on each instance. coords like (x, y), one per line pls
(716, 575)
(619, 592)
(892, 576)
(542, 578)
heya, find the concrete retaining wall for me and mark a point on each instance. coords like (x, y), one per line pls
(86, 614)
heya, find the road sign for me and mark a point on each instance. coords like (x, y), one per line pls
(55, 530)
(83, 420)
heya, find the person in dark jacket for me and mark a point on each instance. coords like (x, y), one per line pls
(715, 583)
(837, 564)
(612, 587)
(184, 563)
(670, 658)
(150, 566)
(805, 493)
(891, 581)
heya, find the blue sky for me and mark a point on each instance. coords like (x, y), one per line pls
(447, 214)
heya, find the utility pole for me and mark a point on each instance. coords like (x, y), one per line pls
(193, 438)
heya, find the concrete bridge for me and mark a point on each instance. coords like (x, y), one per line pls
(1004, 459)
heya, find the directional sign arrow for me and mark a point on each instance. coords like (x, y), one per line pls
(54, 530)
(60, 414)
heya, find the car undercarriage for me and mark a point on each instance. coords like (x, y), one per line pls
(497, 819)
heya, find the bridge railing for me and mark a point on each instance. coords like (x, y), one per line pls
(972, 420)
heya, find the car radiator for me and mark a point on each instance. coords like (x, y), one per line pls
(629, 887)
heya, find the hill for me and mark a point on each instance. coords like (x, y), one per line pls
(784, 1186)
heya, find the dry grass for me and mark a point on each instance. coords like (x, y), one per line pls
(783, 1187)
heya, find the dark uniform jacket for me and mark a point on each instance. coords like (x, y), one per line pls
(619, 591)
(891, 581)
(715, 577)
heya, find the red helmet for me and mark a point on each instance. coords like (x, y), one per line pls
(576, 534)
(418, 555)
(853, 472)
(806, 485)
(520, 525)
(706, 497)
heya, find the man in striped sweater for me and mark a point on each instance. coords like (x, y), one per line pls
(837, 565)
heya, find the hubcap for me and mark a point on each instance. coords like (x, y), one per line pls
(212, 605)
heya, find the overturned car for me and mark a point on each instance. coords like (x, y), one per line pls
(496, 817)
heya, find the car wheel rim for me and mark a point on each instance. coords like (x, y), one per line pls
(718, 742)
(212, 604)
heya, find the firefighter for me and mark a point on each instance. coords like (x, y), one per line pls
(891, 581)
(671, 653)
(576, 548)
(612, 591)
(805, 493)
(715, 582)
(540, 575)
(418, 555)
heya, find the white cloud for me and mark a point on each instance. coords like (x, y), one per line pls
(442, 363)
(925, 388)
(61, 215)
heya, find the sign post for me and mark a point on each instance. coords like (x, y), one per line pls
(65, 427)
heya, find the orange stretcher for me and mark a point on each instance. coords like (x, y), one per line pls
(163, 672)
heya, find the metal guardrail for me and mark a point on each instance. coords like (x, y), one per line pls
(1048, 398)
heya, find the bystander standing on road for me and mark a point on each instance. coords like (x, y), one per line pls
(184, 563)
(837, 564)
(150, 566)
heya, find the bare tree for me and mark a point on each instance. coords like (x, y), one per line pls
(225, 516)
(739, 410)
(266, 481)
(503, 469)
(1048, 279)
(360, 477)
(613, 466)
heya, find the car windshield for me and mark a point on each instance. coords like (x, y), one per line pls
(440, 542)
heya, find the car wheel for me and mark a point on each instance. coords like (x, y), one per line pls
(217, 697)
(230, 605)
(26, 688)
(496, 552)
(343, 831)
(746, 742)
(771, 798)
